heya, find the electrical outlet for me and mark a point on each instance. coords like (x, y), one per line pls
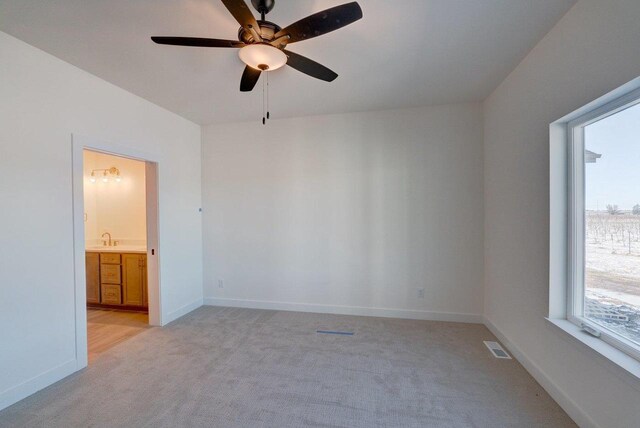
(220, 283)
(421, 293)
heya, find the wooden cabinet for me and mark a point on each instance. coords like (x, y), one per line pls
(145, 294)
(134, 279)
(92, 264)
(117, 279)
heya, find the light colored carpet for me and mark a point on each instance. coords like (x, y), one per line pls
(223, 367)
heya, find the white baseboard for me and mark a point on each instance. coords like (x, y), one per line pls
(346, 310)
(36, 383)
(572, 409)
(181, 311)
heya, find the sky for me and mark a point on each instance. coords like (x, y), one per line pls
(615, 177)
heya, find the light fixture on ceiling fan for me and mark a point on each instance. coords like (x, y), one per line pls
(262, 56)
(262, 43)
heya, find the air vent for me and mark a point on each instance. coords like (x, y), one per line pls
(340, 333)
(497, 350)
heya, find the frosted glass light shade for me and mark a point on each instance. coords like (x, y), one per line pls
(262, 57)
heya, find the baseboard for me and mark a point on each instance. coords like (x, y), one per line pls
(572, 409)
(35, 384)
(346, 310)
(181, 311)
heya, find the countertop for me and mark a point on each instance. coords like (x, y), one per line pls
(117, 249)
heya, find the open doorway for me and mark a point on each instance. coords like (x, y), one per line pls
(115, 235)
(116, 246)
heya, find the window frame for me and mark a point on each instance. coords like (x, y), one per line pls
(576, 220)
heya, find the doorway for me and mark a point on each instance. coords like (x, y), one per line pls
(115, 193)
(115, 249)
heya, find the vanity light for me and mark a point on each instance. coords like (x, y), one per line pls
(106, 174)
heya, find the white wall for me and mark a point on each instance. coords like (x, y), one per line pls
(347, 213)
(118, 208)
(592, 50)
(42, 102)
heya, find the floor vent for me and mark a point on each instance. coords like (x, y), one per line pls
(341, 333)
(497, 350)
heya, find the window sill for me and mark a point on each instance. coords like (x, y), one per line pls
(612, 355)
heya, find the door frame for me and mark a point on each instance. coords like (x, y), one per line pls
(80, 143)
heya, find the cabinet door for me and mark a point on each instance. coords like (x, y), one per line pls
(133, 279)
(92, 266)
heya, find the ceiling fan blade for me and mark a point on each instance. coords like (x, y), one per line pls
(242, 14)
(322, 22)
(197, 41)
(310, 67)
(249, 79)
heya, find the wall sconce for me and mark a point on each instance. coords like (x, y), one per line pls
(107, 174)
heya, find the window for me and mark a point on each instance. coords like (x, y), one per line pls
(604, 223)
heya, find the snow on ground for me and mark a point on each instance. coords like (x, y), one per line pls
(604, 257)
(612, 273)
(614, 297)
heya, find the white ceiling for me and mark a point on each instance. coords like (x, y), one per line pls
(403, 53)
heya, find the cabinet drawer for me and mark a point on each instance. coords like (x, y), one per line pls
(110, 258)
(110, 274)
(111, 294)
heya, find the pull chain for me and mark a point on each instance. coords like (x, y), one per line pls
(264, 122)
(265, 98)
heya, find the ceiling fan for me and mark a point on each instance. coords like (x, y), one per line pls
(262, 43)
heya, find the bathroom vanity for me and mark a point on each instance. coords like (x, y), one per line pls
(117, 278)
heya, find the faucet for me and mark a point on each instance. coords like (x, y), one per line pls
(105, 242)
